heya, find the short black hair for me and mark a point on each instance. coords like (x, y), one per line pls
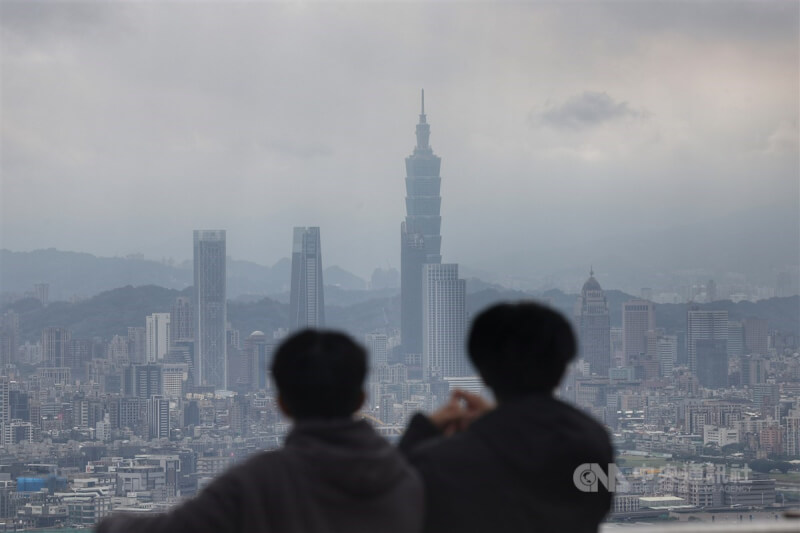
(521, 348)
(320, 374)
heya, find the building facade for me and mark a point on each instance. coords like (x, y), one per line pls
(210, 308)
(181, 321)
(594, 326)
(443, 322)
(638, 317)
(307, 297)
(420, 233)
(55, 346)
(701, 326)
(157, 330)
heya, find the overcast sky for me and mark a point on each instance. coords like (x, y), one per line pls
(125, 127)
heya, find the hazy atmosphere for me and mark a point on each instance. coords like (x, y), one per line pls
(634, 136)
(260, 261)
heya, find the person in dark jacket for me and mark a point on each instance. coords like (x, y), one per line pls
(334, 474)
(521, 466)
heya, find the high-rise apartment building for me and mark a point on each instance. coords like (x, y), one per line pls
(735, 339)
(158, 332)
(41, 292)
(181, 320)
(137, 345)
(142, 381)
(594, 325)
(443, 321)
(210, 308)
(712, 362)
(378, 348)
(753, 370)
(173, 379)
(420, 234)
(707, 325)
(55, 346)
(667, 348)
(79, 354)
(307, 299)
(158, 417)
(756, 336)
(5, 405)
(9, 337)
(638, 317)
(258, 350)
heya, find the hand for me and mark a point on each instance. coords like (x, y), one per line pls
(474, 406)
(459, 412)
(449, 416)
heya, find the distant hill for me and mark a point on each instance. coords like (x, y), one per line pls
(112, 312)
(82, 275)
(105, 315)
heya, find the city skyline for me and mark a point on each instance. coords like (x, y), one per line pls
(656, 142)
(542, 145)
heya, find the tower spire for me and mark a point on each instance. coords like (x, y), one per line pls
(423, 129)
(422, 111)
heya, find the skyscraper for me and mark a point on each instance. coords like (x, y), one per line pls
(258, 351)
(638, 318)
(307, 295)
(443, 321)
(55, 346)
(9, 337)
(181, 320)
(735, 339)
(137, 341)
(5, 408)
(712, 362)
(142, 381)
(158, 417)
(377, 345)
(756, 335)
(594, 325)
(158, 331)
(420, 234)
(706, 326)
(667, 353)
(210, 308)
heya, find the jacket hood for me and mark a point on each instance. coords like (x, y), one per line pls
(348, 455)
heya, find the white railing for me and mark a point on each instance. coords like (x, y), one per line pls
(783, 525)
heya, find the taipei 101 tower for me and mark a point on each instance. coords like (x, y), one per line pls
(420, 234)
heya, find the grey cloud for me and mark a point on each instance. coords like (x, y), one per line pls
(584, 110)
(38, 21)
(295, 149)
(252, 116)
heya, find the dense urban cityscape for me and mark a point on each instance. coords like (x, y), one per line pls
(185, 186)
(704, 408)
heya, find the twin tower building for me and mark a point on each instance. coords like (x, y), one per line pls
(307, 301)
(432, 299)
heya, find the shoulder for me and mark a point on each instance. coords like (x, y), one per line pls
(255, 468)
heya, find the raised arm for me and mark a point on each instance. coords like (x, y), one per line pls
(218, 509)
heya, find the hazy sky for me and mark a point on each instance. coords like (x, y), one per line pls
(126, 126)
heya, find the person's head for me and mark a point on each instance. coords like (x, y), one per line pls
(521, 348)
(319, 374)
